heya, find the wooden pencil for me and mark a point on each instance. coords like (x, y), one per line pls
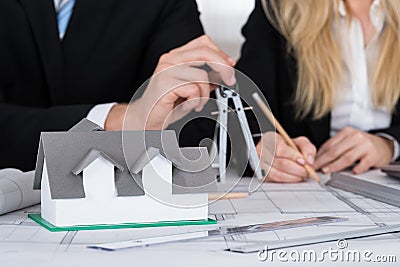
(283, 133)
(232, 195)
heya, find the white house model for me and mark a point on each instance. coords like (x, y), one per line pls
(86, 178)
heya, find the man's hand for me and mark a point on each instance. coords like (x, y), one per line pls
(287, 164)
(350, 146)
(115, 118)
(178, 87)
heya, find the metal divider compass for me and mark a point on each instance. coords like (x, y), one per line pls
(224, 93)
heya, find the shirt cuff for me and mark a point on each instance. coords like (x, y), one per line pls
(99, 113)
(396, 145)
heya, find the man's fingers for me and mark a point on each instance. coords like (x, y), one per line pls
(205, 40)
(205, 89)
(190, 92)
(191, 74)
(220, 70)
(177, 77)
(200, 56)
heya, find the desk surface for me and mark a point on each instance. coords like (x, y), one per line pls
(23, 243)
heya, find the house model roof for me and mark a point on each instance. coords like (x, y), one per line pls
(66, 154)
(145, 158)
(91, 156)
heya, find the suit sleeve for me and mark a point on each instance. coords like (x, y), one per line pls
(21, 127)
(393, 130)
(177, 24)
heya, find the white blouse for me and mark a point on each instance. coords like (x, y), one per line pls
(353, 104)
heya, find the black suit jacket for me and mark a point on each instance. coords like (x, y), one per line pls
(266, 61)
(110, 48)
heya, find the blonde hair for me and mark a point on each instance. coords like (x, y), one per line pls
(308, 27)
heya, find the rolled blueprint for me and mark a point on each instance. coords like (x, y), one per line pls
(16, 190)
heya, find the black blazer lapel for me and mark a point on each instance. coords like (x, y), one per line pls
(43, 21)
(87, 24)
(319, 129)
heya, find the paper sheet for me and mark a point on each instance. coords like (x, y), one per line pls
(16, 190)
(23, 243)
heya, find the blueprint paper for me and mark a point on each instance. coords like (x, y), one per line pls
(16, 190)
(309, 202)
(24, 243)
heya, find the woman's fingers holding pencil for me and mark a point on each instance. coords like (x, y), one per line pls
(278, 176)
(290, 167)
(284, 163)
(308, 150)
(284, 151)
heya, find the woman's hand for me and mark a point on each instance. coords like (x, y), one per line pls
(287, 164)
(178, 88)
(350, 146)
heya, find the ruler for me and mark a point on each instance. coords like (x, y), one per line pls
(364, 188)
(222, 231)
(310, 240)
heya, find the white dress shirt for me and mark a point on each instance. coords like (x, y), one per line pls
(99, 113)
(353, 104)
(58, 4)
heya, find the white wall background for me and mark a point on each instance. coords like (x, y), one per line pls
(223, 21)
